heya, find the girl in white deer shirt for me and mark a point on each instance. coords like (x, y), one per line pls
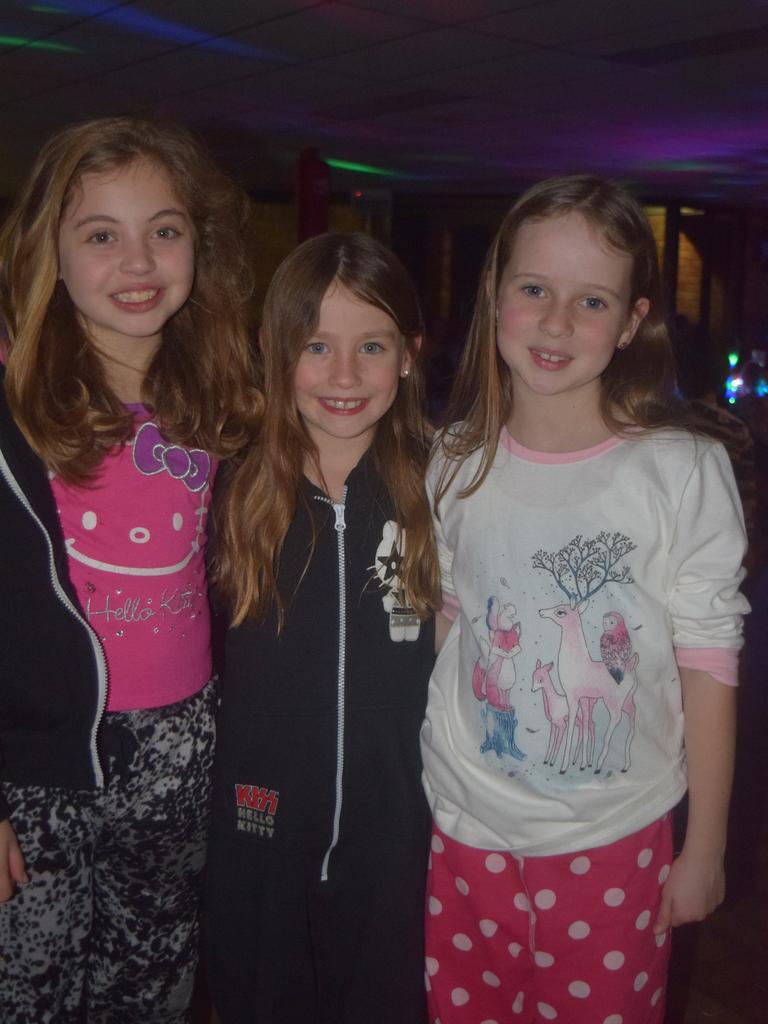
(575, 499)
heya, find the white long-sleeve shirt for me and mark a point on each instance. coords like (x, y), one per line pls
(580, 582)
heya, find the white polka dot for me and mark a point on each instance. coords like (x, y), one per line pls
(656, 996)
(664, 874)
(435, 906)
(615, 1018)
(488, 928)
(491, 979)
(459, 997)
(427, 984)
(433, 966)
(579, 989)
(462, 941)
(462, 886)
(613, 897)
(90, 520)
(521, 902)
(661, 939)
(543, 959)
(579, 930)
(517, 1006)
(640, 981)
(495, 863)
(545, 899)
(644, 858)
(515, 948)
(580, 865)
(437, 844)
(614, 960)
(177, 521)
(547, 1012)
(643, 920)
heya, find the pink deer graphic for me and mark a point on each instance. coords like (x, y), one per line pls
(556, 710)
(580, 569)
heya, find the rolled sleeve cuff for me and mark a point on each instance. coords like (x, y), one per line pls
(722, 663)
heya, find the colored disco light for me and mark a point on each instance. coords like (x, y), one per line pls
(38, 44)
(733, 359)
(348, 165)
(734, 387)
(132, 20)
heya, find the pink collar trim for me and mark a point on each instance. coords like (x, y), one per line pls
(556, 458)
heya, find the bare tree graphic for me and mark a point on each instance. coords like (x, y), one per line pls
(584, 566)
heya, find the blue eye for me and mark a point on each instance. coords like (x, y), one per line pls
(316, 347)
(371, 347)
(535, 291)
(592, 302)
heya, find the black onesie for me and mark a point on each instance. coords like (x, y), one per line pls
(317, 860)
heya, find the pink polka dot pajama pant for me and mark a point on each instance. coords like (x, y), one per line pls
(530, 939)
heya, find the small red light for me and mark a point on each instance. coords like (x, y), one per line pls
(358, 195)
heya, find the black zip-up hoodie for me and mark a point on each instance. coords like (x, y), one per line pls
(52, 669)
(318, 735)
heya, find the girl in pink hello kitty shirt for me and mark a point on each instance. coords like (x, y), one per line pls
(124, 283)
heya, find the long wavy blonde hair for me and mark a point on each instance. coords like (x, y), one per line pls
(199, 382)
(262, 494)
(637, 386)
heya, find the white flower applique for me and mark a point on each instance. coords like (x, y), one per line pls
(404, 623)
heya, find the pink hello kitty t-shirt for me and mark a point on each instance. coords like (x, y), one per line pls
(135, 540)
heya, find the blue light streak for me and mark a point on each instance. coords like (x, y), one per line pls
(130, 19)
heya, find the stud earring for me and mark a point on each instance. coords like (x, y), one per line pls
(405, 372)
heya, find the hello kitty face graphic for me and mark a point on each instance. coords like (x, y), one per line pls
(404, 624)
(162, 525)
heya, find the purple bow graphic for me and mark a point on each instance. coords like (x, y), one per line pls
(152, 454)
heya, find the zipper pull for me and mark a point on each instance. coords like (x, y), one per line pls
(340, 524)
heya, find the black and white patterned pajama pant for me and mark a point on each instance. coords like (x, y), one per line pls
(106, 929)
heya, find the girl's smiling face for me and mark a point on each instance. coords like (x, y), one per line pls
(564, 308)
(126, 256)
(348, 373)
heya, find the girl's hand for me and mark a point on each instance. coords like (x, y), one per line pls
(12, 869)
(695, 887)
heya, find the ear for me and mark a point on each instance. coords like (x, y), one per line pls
(636, 315)
(407, 360)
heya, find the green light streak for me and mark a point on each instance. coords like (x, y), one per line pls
(47, 9)
(38, 44)
(348, 165)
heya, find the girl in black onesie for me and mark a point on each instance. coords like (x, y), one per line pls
(326, 560)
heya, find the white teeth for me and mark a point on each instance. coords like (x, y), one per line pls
(348, 403)
(144, 296)
(548, 357)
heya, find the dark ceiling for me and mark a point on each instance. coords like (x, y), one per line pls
(438, 95)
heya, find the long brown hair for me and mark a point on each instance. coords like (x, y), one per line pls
(637, 386)
(198, 384)
(263, 492)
